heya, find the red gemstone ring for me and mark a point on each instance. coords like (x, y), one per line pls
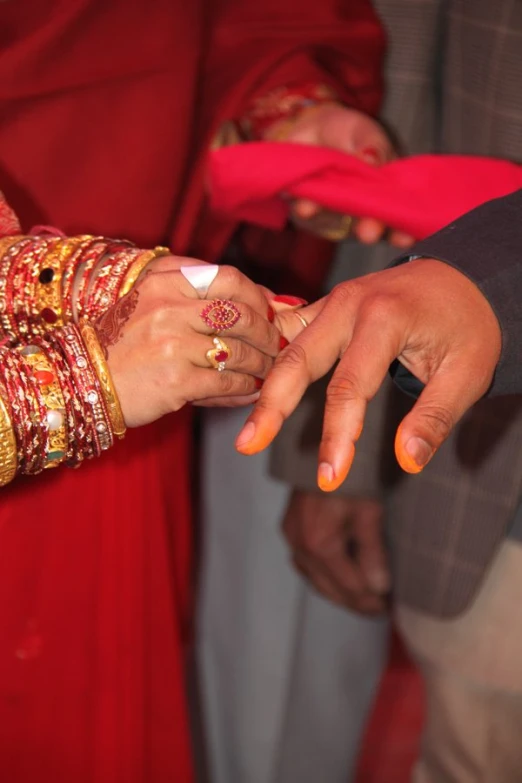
(218, 356)
(220, 314)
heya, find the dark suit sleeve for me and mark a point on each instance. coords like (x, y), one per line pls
(486, 245)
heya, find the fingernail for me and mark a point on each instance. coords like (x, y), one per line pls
(259, 383)
(370, 155)
(368, 234)
(379, 582)
(283, 342)
(271, 314)
(293, 301)
(246, 435)
(419, 453)
(325, 476)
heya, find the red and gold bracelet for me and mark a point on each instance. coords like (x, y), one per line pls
(47, 281)
(8, 263)
(48, 385)
(87, 265)
(57, 402)
(87, 386)
(19, 405)
(80, 439)
(283, 104)
(8, 445)
(29, 412)
(105, 289)
(112, 403)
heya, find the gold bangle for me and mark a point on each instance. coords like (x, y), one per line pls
(8, 447)
(99, 364)
(7, 242)
(139, 265)
(48, 300)
(326, 224)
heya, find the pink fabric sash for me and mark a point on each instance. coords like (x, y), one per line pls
(418, 195)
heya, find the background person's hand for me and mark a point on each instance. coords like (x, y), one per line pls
(356, 133)
(336, 543)
(426, 314)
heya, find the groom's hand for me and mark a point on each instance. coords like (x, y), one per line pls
(425, 313)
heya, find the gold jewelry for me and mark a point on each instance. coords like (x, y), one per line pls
(219, 355)
(48, 289)
(99, 364)
(326, 224)
(336, 233)
(284, 127)
(139, 265)
(46, 377)
(8, 447)
(7, 242)
(301, 318)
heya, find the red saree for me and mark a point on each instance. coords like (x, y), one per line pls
(104, 128)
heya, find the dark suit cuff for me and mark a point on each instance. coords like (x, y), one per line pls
(486, 246)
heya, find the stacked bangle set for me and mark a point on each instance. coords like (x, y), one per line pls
(57, 400)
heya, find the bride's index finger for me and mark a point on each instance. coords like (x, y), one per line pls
(232, 284)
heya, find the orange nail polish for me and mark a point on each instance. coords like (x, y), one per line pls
(330, 478)
(245, 436)
(413, 455)
(255, 438)
(325, 477)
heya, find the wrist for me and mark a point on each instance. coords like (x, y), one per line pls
(49, 281)
(282, 105)
(57, 403)
(310, 114)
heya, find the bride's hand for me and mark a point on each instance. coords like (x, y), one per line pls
(157, 340)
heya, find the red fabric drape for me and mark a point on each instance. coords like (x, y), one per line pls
(107, 109)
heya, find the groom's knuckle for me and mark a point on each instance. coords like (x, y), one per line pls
(342, 389)
(293, 358)
(439, 419)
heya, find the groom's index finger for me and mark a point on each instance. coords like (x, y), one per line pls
(282, 391)
(305, 360)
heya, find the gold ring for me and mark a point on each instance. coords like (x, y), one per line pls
(219, 355)
(301, 318)
(339, 229)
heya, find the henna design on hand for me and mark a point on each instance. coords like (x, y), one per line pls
(109, 327)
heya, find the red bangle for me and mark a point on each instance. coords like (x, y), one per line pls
(87, 387)
(26, 411)
(80, 441)
(71, 268)
(109, 279)
(18, 402)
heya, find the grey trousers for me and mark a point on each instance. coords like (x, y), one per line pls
(286, 679)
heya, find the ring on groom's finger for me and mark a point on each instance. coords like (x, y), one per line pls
(220, 315)
(301, 318)
(219, 355)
